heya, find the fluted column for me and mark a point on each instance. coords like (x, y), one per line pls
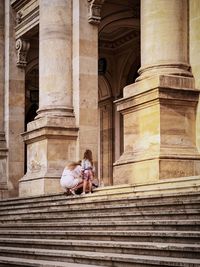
(159, 109)
(55, 58)
(164, 38)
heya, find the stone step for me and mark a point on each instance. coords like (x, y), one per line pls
(107, 208)
(19, 262)
(172, 186)
(118, 226)
(137, 235)
(186, 182)
(138, 248)
(62, 199)
(180, 225)
(96, 206)
(146, 215)
(99, 258)
(104, 215)
(102, 204)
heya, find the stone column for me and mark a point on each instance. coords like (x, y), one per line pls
(51, 137)
(164, 38)
(55, 53)
(194, 13)
(159, 110)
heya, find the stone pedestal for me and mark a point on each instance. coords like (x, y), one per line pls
(159, 130)
(51, 143)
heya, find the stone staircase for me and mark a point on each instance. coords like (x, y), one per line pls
(145, 225)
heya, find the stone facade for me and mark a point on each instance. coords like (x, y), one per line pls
(118, 77)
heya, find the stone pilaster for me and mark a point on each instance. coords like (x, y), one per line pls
(85, 79)
(51, 137)
(3, 149)
(14, 88)
(159, 110)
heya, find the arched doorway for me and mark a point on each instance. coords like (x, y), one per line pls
(119, 55)
(32, 94)
(31, 99)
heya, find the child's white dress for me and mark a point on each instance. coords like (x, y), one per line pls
(70, 178)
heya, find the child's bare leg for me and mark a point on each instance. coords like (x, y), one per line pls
(90, 186)
(84, 185)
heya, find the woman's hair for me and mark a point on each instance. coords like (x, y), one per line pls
(88, 155)
(72, 165)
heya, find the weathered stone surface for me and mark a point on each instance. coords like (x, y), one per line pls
(152, 224)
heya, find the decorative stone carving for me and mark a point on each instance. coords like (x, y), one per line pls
(18, 17)
(103, 43)
(22, 47)
(34, 166)
(95, 11)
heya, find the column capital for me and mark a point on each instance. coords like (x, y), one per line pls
(22, 47)
(95, 11)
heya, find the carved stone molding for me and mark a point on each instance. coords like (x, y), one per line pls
(2, 143)
(95, 11)
(119, 42)
(22, 47)
(26, 16)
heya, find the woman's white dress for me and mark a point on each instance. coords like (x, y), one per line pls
(70, 178)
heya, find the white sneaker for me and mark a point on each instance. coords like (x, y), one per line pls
(82, 194)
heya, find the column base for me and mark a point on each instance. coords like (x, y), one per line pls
(175, 69)
(159, 130)
(51, 143)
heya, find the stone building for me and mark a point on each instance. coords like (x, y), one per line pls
(119, 77)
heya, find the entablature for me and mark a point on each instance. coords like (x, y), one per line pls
(27, 15)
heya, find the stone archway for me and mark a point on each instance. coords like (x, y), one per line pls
(32, 94)
(119, 45)
(105, 132)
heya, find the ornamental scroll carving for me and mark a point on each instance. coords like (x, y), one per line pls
(22, 47)
(95, 11)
